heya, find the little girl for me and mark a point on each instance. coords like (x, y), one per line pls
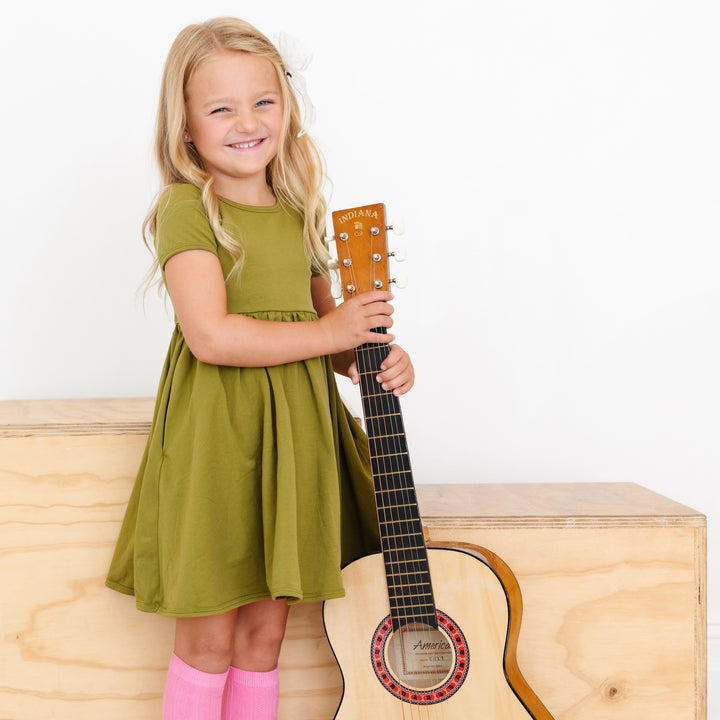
(255, 487)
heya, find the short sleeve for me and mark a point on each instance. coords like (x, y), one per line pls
(182, 223)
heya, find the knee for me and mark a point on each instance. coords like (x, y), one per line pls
(262, 636)
(207, 651)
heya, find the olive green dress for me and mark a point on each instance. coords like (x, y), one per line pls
(255, 482)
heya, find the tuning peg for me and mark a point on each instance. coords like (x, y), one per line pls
(399, 254)
(400, 281)
(398, 227)
(329, 233)
(336, 290)
(333, 264)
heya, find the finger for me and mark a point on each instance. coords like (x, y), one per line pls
(372, 296)
(353, 373)
(378, 338)
(402, 389)
(377, 308)
(396, 356)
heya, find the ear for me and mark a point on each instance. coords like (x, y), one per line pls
(186, 136)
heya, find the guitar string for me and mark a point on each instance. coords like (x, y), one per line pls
(403, 523)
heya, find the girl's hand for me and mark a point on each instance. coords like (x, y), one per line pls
(397, 372)
(350, 324)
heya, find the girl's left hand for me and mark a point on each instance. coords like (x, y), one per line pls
(397, 372)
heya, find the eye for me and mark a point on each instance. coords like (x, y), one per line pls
(263, 103)
(219, 110)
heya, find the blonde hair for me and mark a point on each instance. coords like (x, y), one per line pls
(295, 174)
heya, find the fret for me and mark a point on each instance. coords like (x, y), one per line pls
(427, 616)
(387, 519)
(414, 600)
(403, 588)
(397, 461)
(409, 600)
(400, 506)
(398, 510)
(405, 535)
(417, 562)
(401, 521)
(405, 574)
(400, 564)
(399, 611)
(383, 394)
(400, 513)
(393, 473)
(378, 436)
(409, 582)
(375, 416)
(409, 490)
(403, 454)
(414, 565)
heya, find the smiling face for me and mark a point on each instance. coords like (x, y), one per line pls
(235, 120)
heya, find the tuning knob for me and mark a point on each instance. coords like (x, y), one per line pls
(333, 264)
(398, 227)
(336, 290)
(400, 281)
(399, 254)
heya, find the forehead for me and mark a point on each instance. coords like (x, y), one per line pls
(234, 71)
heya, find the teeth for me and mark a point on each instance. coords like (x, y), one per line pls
(246, 145)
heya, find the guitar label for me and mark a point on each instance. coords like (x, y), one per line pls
(360, 212)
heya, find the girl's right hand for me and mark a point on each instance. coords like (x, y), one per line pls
(351, 323)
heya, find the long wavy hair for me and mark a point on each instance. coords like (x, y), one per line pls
(295, 174)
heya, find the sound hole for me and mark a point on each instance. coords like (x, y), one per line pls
(419, 664)
(419, 656)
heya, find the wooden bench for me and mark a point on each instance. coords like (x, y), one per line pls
(612, 576)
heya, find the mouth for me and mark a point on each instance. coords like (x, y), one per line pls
(246, 145)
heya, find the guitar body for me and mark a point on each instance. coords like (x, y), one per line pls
(479, 594)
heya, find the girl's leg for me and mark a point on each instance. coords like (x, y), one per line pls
(253, 689)
(199, 667)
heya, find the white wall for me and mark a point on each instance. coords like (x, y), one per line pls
(557, 166)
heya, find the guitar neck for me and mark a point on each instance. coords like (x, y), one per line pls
(401, 533)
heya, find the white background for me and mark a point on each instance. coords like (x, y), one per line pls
(557, 164)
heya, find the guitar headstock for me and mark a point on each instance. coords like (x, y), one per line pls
(361, 246)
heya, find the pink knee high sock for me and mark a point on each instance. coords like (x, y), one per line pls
(192, 694)
(251, 695)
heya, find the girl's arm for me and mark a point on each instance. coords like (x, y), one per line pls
(197, 289)
(397, 373)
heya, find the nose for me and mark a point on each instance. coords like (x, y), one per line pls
(245, 120)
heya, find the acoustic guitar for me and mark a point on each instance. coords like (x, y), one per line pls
(425, 632)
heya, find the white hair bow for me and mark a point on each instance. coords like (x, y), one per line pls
(296, 60)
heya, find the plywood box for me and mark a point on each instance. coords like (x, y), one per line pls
(612, 577)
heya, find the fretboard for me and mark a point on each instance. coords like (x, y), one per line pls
(403, 545)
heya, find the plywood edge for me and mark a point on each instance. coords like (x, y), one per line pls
(96, 416)
(701, 627)
(553, 504)
(535, 521)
